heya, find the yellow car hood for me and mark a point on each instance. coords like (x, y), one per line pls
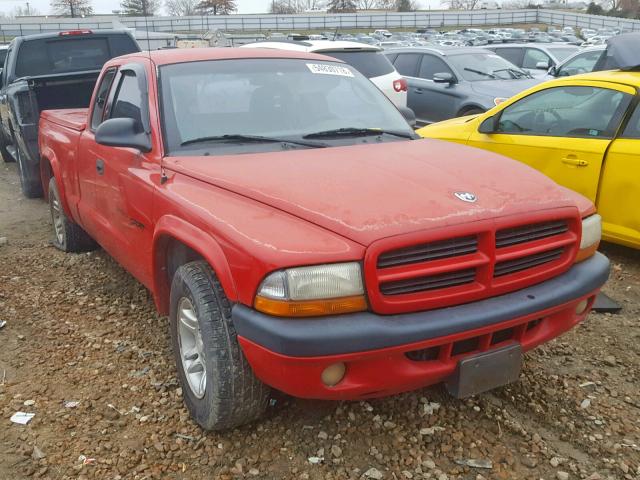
(455, 130)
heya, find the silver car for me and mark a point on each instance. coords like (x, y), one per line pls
(535, 58)
(451, 82)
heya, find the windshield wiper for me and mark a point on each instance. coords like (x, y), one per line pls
(249, 138)
(355, 131)
(516, 74)
(480, 72)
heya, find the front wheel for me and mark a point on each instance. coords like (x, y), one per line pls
(218, 385)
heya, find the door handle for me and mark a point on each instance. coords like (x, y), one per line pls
(574, 161)
(417, 90)
(100, 166)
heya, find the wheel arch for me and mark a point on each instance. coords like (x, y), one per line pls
(470, 106)
(177, 242)
(50, 167)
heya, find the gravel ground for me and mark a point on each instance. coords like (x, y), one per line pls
(80, 329)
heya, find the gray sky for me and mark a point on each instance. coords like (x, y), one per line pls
(107, 6)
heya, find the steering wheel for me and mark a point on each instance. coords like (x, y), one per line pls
(541, 123)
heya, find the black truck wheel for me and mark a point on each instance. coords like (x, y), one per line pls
(218, 385)
(68, 236)
(6, 156)
(30, 182)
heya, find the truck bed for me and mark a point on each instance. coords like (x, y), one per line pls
(73, 118)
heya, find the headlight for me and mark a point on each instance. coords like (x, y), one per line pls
(312, 291)
(591, 235)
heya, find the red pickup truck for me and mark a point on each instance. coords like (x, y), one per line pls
(301, 237)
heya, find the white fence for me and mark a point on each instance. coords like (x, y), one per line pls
(368, 21)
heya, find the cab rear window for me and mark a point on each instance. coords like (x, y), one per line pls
(50, 56)
(370, 64)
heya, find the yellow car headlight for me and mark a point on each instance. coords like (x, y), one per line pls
(591, 235)
(312, 291)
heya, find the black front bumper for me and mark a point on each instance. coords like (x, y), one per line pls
(358, 332)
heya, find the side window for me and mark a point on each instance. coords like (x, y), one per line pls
(514, 55)
(566, 112)
(101, 98)
(633, 127)
(128, 100)
(431, 65)
(407, 64)
(583, 63)
(532, 57)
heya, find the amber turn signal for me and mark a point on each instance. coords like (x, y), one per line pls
(587, 252)
(310, 308)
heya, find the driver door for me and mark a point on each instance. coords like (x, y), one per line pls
(564, 131)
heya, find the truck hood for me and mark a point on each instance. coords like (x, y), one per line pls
(368, 192)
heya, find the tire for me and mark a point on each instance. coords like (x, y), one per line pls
(67, 235)
(219, 388)
(6, 156)
(470, 111)
(31, 187)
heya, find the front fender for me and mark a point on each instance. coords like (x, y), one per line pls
(170, 227)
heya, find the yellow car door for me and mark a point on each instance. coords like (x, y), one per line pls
(562, 130)
(620, 187)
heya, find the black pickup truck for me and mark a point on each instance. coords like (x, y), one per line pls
(44, 72)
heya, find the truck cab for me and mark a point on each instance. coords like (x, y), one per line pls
(48, 71)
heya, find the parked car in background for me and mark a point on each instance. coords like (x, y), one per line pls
(583, 61)
(300, 236)
(582, 131)
(49, 71)
(367, 59)
(4, 49)
(450, 82)
(534, 58)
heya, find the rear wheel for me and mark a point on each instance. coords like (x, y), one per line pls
(218, 385)
(68, 236)
(6, 156)
(30, 182)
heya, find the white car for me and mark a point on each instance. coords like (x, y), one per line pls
(369, 60)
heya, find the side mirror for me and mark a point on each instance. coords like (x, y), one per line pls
(542, 66)
(444, 77)
(123, 132)
(488, 125)
(408, 115)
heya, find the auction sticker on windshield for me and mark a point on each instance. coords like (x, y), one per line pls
(325, 69)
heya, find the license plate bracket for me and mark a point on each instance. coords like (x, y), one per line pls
(486, 371)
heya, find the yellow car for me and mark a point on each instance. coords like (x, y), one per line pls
(582, 131)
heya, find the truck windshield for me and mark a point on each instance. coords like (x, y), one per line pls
(220, 101)
(50, 56)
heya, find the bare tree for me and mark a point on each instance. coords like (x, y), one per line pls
(216, 7)
(180, 8)
(281, 7)
(367, 4)
(25, 11)
(462, 4)
(386, 5)
(72, 8)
